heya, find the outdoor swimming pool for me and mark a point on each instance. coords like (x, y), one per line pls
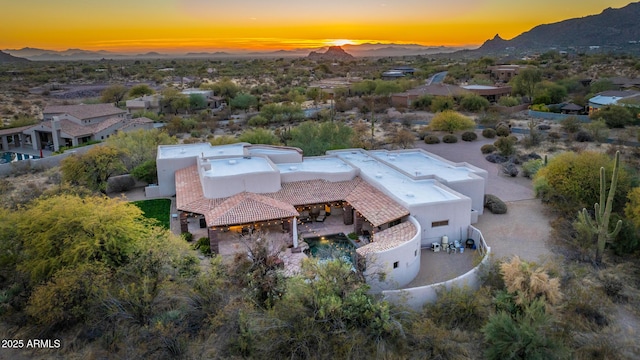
(7, 157)
(335, 246)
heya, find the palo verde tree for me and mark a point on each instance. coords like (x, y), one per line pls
(600, 226)
(93, 168)
(525, 82)
(114, 94)
(451, 121)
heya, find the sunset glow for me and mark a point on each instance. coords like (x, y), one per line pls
(204, 25)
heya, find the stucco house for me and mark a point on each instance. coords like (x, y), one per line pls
(611, 97)
(405, 199)
(73, 125)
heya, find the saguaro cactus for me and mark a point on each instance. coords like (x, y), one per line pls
(602, 213)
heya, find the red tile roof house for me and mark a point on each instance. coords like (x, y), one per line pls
(73, 125)
(407, 199)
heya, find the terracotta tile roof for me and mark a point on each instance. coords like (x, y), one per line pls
(245, 208)
(84, 111)
(16, 130)
(76, 130)
(314, 191)
(374, 205)
(389, 238)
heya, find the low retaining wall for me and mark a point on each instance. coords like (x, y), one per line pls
(417, 297)
(556, 117)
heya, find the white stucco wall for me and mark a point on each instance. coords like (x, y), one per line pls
(301, 175)
(167, 168)
(225, 186)
(408, 257)
(457, 212)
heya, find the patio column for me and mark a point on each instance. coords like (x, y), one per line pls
(5, 143)
(294, 232)
(347, 214)
(358, 222)
(214, 240)
(184, 222)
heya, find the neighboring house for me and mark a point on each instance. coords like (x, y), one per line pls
(504, 73)
(611, 97)
(491, 93)
(213, 102)
(144, 103)
(73, 125)
(392, 75)
(624, 83)
(405, 199)
(406, 98)
(571, 109)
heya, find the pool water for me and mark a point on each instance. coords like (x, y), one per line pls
(336, 246)
(7, 157)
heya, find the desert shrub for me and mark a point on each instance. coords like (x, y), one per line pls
(488, 148)
(505, 145)
(474, 103)
(258, 120)
(442, 103)
(508, 101)
(489, 133)
(187, 236)
(431, 139)
(554, 135)
(469, 136)
(460, 308)
(510, 169)
(449, 139)
(120, 183)
(503, 130)
(583, 136)
(204, 245)
(494, 204)
(531, 167)
(451, 121)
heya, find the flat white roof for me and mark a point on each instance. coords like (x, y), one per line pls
(317, 164)
(479, 87)
(418, 163)
(266, 151)
(237, 166)
(193, 150)
(402, 187)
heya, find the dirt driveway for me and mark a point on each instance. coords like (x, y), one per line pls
(525, 228)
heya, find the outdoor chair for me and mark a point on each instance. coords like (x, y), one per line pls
(321, 216)
(304, 217)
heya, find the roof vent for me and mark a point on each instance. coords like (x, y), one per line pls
(379, 175)
(232, 162)
(410, 195)
(293, 168)
(182, 151)
(392, 158)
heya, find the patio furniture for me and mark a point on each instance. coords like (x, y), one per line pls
(304, 217)
(321, 216)
(470, 243)
(435, 246)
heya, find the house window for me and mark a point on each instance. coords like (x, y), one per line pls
(440, 223)
(415, 253)
(396, 264)
(394, 223)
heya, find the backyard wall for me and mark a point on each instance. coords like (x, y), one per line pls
(39, 164)
(557, 117)
(417, 297)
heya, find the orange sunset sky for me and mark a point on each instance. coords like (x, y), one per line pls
(205, 25)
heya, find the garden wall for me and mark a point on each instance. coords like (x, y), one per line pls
(556, 117)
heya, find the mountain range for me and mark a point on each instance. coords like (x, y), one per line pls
(362, 50)
(611, 30)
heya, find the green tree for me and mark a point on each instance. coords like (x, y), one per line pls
(114, 94)
(259, 136)
(387, 88)
(632, 209)
(93, 168)
(243, 101)
(140, 90)
(423, 102)
(197, 102)
(474, 103)
(451, 121)
(175, 100)
(225, 88)
(525, 82)
(443, 103)
(614, 116)
(315, 139)
(66, 231)
(570, 181)
(140, 145)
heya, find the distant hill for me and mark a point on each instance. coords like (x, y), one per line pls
(332, 53)
(7, 58)
(612, 29)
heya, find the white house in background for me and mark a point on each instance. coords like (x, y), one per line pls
(144, 103)
(611, 97)
(73, 125)
(406, 199)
